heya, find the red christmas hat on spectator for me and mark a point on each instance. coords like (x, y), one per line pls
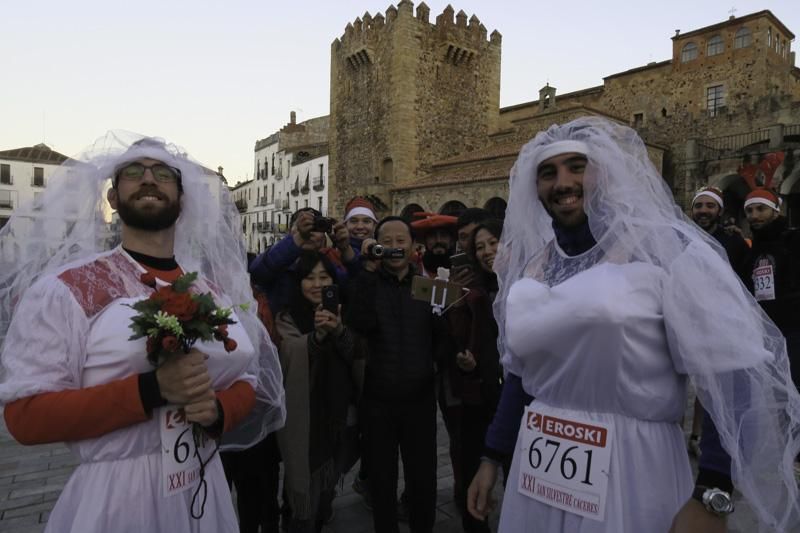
(763, 196)
(359, 206)
(712, 192)
(429, 221)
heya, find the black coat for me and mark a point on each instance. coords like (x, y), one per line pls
(404, 337)
(778, 245)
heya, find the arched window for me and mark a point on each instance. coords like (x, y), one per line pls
(452, 208)
(715, 46)
(497, 207)
(743, 37)
(409, 210)
(689, 52)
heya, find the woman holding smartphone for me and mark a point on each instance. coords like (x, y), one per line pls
(317, 353)
(475, 333)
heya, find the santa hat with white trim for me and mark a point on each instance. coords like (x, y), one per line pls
(359, 206)
(763, 196)
(712, 192)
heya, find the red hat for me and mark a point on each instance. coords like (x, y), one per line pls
(712, 192)
(763, 196)
(431, 221)
(359, 206)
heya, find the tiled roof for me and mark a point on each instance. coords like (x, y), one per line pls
(41, 153)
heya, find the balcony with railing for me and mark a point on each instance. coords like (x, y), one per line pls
(319, 183)
(263, 201)
(284, 204)
(37, 181)
(264, 227)
(241, 205)
(296, 188)
(304, 189)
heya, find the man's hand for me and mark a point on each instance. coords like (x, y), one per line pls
(341, 239)
(480, 501)
(204, 410)
(463, 276)
(184, 378)
(466, 361)
(370, 265)
(301, 229)
(694, 518)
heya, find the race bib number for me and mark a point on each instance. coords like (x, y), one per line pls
(764, 283)
(179, 453)
(565, 460)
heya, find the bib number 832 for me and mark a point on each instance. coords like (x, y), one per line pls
(567, 465)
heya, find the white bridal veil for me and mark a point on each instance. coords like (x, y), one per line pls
(717, 333)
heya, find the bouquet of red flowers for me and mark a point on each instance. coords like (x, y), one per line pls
(173, 318)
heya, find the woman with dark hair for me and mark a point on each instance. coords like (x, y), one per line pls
(316, 352)
(475, 334)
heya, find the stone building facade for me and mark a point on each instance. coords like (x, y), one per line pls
(402, 90)
(415, 121)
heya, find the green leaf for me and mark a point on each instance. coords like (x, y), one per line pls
(183, 283)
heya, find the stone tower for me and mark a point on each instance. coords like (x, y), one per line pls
(405, 93)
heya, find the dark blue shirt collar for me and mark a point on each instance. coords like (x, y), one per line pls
(574, 241)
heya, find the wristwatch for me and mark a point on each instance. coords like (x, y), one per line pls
(715, 500)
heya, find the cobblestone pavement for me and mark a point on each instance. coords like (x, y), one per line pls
(31, 478)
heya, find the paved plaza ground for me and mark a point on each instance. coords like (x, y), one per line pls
(31, 478)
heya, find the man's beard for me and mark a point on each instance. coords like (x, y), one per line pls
(707, 222)
(150, 220)
(432, 261)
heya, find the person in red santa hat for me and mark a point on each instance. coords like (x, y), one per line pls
(772, 268)
(360, 220)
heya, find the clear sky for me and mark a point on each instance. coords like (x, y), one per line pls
(216, 76)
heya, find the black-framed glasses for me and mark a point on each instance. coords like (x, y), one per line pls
(161, 172)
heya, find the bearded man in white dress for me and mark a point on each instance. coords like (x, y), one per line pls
(70, 372)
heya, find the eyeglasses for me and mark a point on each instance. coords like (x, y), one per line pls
(161, 172)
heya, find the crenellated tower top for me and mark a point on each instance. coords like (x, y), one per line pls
(450, 26)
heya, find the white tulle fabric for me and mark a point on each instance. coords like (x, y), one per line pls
(614, 332)
(69, 224)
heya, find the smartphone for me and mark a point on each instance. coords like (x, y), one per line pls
(330, 299)
(460, 261)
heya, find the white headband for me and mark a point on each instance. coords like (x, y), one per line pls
(560, 147)
(710, 194)
(366, 211)
(758, 200)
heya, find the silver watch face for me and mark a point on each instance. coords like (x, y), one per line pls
(719, 502)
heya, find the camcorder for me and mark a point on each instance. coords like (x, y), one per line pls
(376, 251)
(323, 224)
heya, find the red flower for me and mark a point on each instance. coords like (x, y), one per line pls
(170, 343)
(148, 279)
(179, 304)
(230, 345)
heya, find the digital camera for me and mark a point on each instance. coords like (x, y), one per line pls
(323, 224)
